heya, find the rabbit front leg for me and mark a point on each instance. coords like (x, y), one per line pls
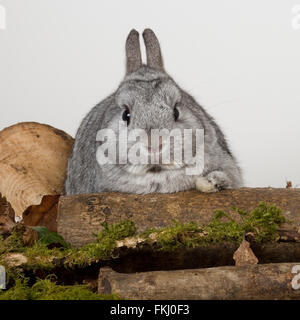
(213, 182)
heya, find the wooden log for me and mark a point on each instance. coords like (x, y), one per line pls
(7, 217)
(33, 159)
(144, 259)
(80, 216)
(270, 281)
(134, 254)
(44, 214)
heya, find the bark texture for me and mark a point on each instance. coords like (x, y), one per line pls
(270, 281)
(80, 216)
(7, 217)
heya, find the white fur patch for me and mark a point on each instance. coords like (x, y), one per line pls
(203, 185)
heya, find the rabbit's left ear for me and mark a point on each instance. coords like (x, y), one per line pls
(154, 57)
(133, 52)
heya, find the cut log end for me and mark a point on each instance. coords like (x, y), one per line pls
(33, 160)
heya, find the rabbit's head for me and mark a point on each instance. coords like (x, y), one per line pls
(147, 93)
(149, 100)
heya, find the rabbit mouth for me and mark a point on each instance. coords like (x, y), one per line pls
(155, 169)
(151, 168)
(158, 168)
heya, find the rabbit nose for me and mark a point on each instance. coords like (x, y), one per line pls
(152, 148)
(154, 145)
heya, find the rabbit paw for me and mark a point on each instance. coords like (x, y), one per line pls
(214, 181)
(204, 185)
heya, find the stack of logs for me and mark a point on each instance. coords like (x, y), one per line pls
(206, 272)
(33, 159)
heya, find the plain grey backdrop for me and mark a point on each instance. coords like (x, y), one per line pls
(239, 59)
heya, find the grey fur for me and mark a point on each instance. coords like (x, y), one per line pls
(154, 57)
(151, 94)
(133, 52)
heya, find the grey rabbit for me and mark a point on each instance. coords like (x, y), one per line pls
(148, 98)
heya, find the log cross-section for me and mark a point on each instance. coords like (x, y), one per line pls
(33, 161)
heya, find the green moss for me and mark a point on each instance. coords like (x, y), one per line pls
(40, 256)
(13, 243)
(262, 222)
(104, 245)
(2, 245)
(178, 235)
(48, 290)
(19, 292)
(106, 239)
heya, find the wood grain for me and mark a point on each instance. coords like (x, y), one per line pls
(33, 159)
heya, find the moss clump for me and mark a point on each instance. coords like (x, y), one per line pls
(106, 239)
(262, 222)
(19, 292)
(13, 243)
(41, 257)
(2, 245)
(48, 290)
(104, 245)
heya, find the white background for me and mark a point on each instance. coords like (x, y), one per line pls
(239, 59)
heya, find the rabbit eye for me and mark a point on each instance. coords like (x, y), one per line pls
(176, 114)
(126, 116)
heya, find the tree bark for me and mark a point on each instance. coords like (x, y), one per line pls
(7, 217)
(271, 281)
(80, 216)
(33, 160)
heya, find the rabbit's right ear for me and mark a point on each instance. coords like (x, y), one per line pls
(153, 52)
(133, 52)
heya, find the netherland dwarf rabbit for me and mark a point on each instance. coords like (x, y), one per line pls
(148, 99)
